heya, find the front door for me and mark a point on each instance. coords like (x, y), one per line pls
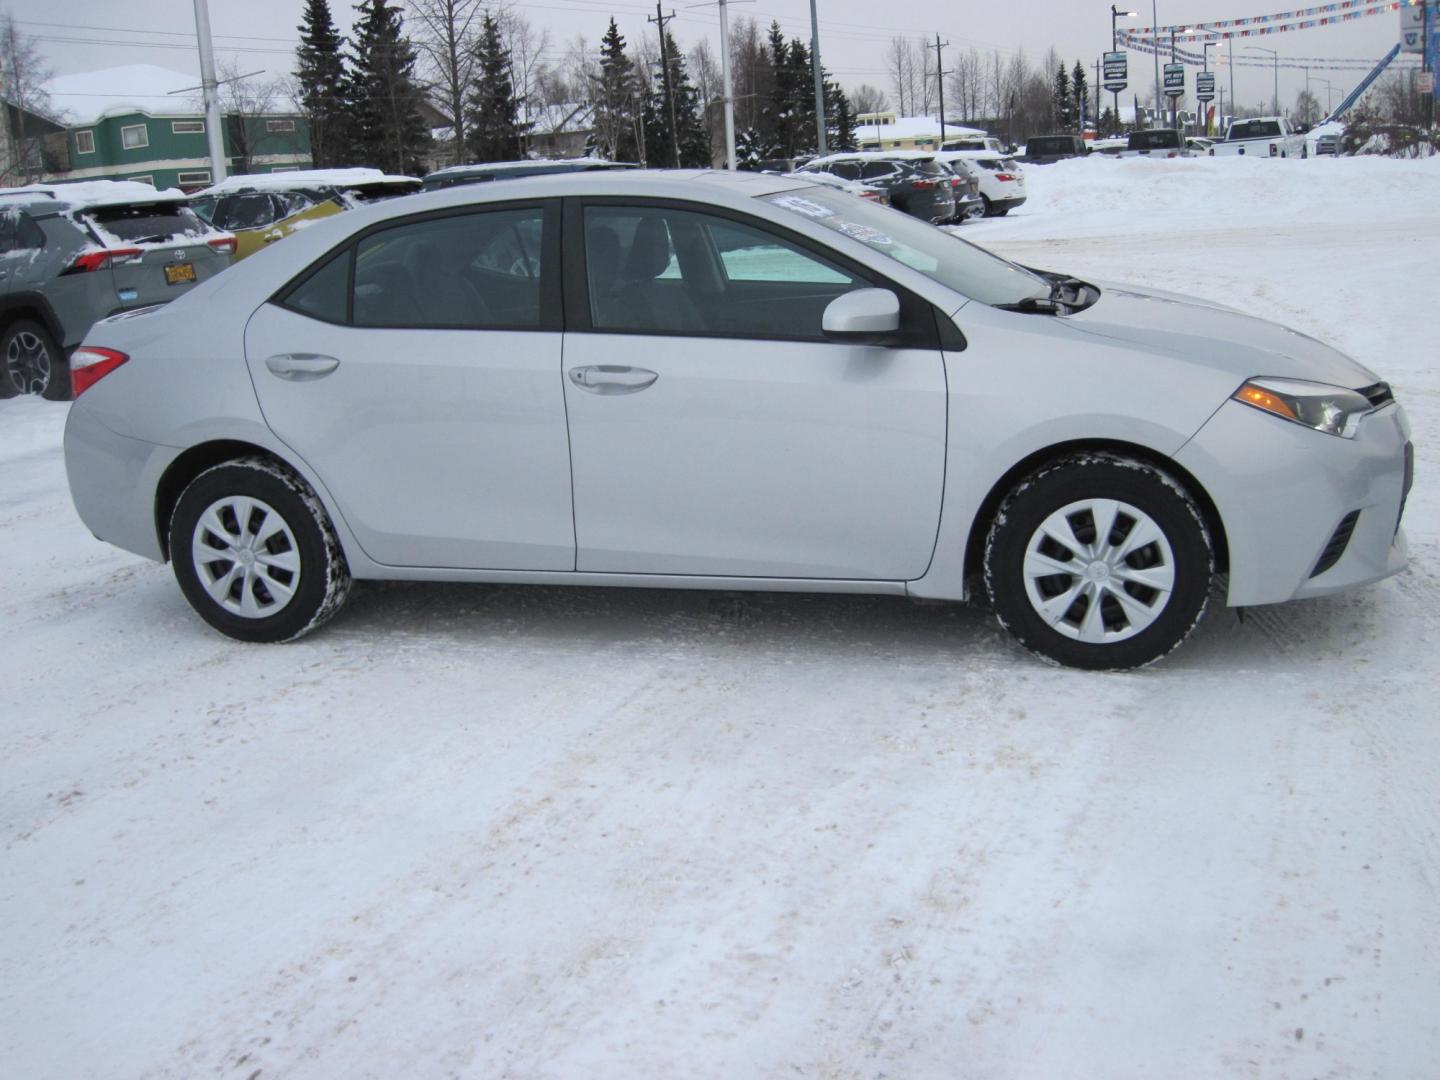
(426, 392)
(714, 431)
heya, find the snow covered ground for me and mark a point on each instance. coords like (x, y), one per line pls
(492, 832)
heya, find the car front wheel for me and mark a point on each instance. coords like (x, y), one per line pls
(255, 553)
(1099, 561)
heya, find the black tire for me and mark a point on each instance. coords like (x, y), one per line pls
(324, 576)
(989, 206)
(1138, 487)
(1002, 211)
(38, 364)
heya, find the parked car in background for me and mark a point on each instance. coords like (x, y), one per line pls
(74, 253)
(1156, 143)
(514, 170)
(262, 208)
(1048, 149)
(1198, 144)
(879, 196)
(1109, 147)
(915, 181)
(1002, 183)
(1261, 136)
(975, 142)
(969, 203)
(763, 384)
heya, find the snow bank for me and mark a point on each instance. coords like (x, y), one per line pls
(305, 177)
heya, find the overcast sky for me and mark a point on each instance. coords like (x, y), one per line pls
(83, 35)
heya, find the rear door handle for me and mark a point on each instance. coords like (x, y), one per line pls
(612, 378)
(301, 366)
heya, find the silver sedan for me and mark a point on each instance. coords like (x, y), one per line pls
(710, 380)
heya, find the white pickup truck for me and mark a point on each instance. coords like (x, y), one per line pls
(1260, 136)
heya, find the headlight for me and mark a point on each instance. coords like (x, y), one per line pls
(1331, 409)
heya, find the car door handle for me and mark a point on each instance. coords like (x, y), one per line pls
(612, 378)
(301, 366)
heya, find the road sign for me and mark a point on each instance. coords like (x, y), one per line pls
(1174, 80)
(1412, 27)
(1205, 86)
(1426, 84)
(1115, 72)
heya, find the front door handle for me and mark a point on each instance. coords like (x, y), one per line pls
(300, 366)
(612, 378)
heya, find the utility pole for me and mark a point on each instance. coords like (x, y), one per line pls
(1231, 42)
(729, 95)
(819, 81)
(1097, 100)
(214, 136)
(940, 74)
(660, 20)
(1155, 51)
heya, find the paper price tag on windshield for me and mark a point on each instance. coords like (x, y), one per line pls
(864, 233)
(804, 206)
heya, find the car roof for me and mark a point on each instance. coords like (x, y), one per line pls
(305, 180)
(540, 165)
(874, 155)
(90, 194)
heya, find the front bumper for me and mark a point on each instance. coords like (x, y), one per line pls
(1283, 491)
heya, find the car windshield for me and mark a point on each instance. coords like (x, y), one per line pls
(954, 263)
(1154, 140)
(1051, 145)
(1255, 129)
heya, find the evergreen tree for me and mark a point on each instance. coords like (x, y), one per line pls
(613, 98)
(750, 149)
(839, 120)
(801, 77)
(320, 71)
(492, 111)
(1060, 103)
(691, 136)
(387, 130)
(1080, 89)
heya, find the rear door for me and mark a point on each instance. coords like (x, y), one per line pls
(713, 429)
(417, 371)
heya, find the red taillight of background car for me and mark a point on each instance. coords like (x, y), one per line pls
(869, 195)
(224, 244)
(89, 364)
(88, 261)
(1006, 177)
(923, 185)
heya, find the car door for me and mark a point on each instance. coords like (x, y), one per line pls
(713, 429)
(417, 371)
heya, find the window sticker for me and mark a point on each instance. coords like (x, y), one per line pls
(865, 234)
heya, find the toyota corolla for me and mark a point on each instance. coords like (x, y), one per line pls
(712, 380)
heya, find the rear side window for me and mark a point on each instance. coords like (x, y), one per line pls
(877, 170)
(236, 212)
(325, 293)
(155, 224)
(1255, 129)
(1154, 140)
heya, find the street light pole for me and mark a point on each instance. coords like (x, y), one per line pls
(1155, 50)
(1115, 13)
(1261, 48)
(729, 93)
(819, 80)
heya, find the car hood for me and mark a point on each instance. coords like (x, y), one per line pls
(1213, 334)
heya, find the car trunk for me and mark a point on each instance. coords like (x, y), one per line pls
(166, 250)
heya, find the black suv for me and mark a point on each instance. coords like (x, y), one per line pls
(920, 186)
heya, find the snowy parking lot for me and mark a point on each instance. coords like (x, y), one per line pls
(497, 831)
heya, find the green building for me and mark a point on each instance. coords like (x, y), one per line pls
(142, 122)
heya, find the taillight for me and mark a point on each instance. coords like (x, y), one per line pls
(1005, 176)
(225, 244)
(923, 185)
(88, 261)
(869, 195)
(89, 364)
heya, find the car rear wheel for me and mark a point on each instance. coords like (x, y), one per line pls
(255, 553)
(34, 363)
(1099, 561)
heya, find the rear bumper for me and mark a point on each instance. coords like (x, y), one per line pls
(1283, 491)
(113, 481)
(1008, 203)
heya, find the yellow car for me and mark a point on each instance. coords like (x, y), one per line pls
(263, 208)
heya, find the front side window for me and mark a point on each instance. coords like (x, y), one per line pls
(134, 137)
(474, 271)
(669, 271)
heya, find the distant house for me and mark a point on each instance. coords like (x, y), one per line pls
(561, 131)
(31, 145)
(887, 131)
(142, 122)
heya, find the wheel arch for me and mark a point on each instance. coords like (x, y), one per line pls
(985, 516)
(32, 306)
(190, 464)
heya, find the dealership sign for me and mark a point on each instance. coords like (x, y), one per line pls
(1115, 72)
(1205, 86)
(1174, 80)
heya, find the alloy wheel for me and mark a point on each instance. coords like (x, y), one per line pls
(27, 363)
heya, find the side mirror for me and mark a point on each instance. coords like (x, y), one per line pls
(862, 317)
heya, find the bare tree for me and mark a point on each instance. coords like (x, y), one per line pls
(869, 99)
(904, 68)
(527, 47)
(445, 36)
(23, 74)
(246, 100)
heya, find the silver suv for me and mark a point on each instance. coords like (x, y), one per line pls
(71, 254)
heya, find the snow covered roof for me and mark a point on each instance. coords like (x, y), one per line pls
(914, 127)
(875, 155)
(282, 181)
(94, 193)
(568, 116)
(90, 95)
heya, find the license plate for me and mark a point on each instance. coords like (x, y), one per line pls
(179, 273)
